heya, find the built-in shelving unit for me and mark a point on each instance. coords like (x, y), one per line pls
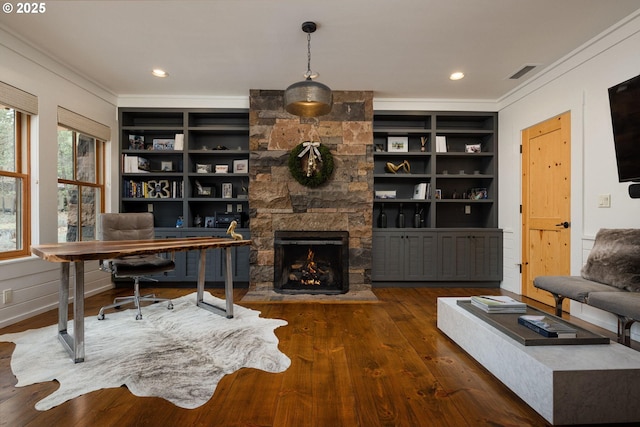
(190, 168)
(454, 155)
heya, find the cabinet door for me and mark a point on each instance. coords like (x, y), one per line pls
(216, 259)
(486, 256)
(453, 260)
(420, 252)
(388, 256)
(178, 258)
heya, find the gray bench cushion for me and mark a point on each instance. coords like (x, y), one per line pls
(573, 287)
(621, 303)
(615, 259)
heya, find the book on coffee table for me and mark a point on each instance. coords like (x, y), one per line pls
(547, 326)
(498, 304)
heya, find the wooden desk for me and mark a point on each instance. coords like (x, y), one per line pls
(79, 252)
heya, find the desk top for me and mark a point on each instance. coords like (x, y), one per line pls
(98, 249)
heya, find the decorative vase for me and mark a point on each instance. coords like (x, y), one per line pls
(382, 218)
(401, 222)
(417, 217)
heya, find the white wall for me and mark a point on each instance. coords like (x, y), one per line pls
(35, 282)
(578, 84)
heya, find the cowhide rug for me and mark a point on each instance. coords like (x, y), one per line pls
(179, 355)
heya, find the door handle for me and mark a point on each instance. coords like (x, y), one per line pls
(565, 224)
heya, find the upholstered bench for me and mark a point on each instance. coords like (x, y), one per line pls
(613, 270)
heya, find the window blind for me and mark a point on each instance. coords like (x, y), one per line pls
(83, 124)
(18, 99)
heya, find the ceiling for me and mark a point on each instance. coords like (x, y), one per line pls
(398, 49)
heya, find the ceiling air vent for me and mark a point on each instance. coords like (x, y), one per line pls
(522, 71)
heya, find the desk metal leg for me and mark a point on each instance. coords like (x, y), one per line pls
(228, 286)
(73, 344)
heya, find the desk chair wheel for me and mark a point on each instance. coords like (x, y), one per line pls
(101, 316)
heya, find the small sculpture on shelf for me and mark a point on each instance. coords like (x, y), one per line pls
(197, 221)
(179, 222)
(423, 143)
(232, 231)
(390, 167)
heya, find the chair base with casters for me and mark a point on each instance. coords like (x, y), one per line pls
(137, 268)
(135, 299)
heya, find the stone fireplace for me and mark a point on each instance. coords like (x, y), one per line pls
(279, 203)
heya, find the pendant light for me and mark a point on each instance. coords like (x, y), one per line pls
(308, 98)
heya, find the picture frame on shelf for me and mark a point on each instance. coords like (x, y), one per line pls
(209, 222)
(241, 166)
(202, 191)
(136, 142)
(222, 168)
(438, 194)
(166, 166)
(227, 190)
(203, 168)
(472, 148)
(161, 144)
(398, 144)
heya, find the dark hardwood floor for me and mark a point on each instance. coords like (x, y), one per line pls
(353, 364)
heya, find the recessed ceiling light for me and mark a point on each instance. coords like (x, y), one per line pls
(159, 73)
(457, 75)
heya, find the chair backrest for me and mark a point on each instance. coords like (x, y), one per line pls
(126, 226)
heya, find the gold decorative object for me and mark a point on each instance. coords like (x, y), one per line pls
(232, 231)
(395, 168)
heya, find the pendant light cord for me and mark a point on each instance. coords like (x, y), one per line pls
(309, 56)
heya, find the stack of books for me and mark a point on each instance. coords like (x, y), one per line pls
(498, 304)
(547, 327)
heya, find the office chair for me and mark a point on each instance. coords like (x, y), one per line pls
(132, 226)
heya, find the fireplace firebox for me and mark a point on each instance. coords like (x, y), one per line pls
(313, 262)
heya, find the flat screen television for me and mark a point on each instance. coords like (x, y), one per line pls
(624, 100)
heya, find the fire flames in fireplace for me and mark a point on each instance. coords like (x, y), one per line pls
(310, 273)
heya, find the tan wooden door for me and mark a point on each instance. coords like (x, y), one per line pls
(546, 203)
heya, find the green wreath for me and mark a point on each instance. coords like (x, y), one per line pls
(316, 179)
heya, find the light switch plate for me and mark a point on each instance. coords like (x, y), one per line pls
(604, 200)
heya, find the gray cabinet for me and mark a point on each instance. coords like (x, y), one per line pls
(448, 257)
(404, 255)
(470, 255)
(187, 263)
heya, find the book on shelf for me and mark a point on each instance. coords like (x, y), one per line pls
(420, 191)
(179, 142)
(547, 327)
(498, 304)
(441, 144)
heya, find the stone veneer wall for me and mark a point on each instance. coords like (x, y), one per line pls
(278, 202)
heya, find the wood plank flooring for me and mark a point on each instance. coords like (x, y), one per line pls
(353, 364)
